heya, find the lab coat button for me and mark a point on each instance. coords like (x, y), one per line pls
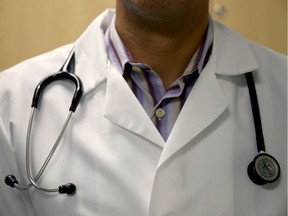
(160, 113)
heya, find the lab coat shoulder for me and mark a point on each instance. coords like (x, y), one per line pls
(271, 63)
(271, 78)
(233, 55)
(17, 83)
(42, 64)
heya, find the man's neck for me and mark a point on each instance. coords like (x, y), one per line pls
(168, 46)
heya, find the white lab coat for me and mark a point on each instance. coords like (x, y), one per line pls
(115, 155)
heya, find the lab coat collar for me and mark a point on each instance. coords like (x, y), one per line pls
(231, 54)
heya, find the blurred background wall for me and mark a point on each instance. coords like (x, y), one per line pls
(263, 21)
(31, 27)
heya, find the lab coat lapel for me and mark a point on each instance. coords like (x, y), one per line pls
(123, 109)
(203, 106)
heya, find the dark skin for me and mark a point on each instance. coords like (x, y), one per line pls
(162, 34)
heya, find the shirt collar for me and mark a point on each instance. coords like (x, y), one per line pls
(117, 51)
(120, 56)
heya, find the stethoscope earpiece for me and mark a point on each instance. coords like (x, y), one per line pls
(11, 180)
(69, 188)
(263, 169)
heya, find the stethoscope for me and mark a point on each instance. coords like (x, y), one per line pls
(65, 73)
(263, 169)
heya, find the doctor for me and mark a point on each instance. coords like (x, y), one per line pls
(164, 127)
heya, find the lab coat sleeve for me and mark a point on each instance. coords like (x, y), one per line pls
(12, 201)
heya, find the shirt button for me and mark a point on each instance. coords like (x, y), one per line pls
(136, 69)
(160, 113)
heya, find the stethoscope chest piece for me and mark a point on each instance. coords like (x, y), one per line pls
(263, 169)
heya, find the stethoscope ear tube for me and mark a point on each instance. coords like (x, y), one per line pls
(63, 75)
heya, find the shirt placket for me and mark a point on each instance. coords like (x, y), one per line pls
(162, 106)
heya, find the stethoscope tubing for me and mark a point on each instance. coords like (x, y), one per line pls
(255, 112)
(33, 180)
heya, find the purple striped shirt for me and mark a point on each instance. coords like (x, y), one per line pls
(161, 105)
